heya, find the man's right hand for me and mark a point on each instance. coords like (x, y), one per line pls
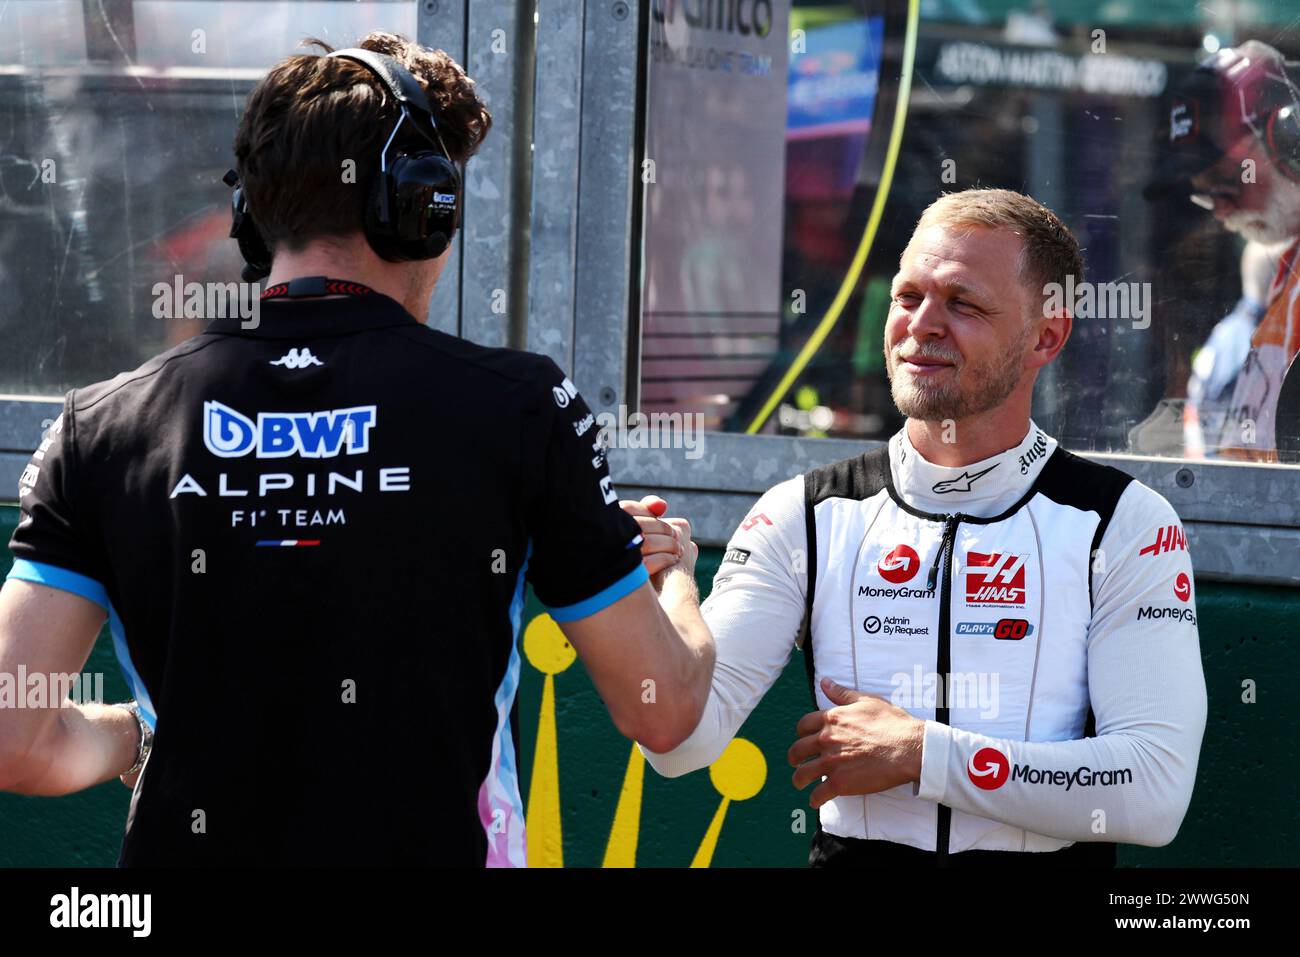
(665, 542)
(653, 634)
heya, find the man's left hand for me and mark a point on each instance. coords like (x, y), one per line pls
(862, 745)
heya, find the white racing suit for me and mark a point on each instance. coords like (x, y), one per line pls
(1055, 593)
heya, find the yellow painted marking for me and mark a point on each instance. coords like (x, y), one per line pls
(549, 652)
(621, 849)
(738, 774)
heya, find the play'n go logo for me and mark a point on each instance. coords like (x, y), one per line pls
(276, 435)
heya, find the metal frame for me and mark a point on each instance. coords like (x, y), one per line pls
(441, 23)
(567, 125)
(1242, 521)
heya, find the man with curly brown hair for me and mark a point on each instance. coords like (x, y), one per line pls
(310, 533)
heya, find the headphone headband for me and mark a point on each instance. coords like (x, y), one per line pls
(399, 82)
(413, 208)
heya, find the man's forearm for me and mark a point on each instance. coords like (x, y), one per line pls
(81, 746)
(680, 600)
(1133, 787)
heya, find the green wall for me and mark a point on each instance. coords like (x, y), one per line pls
(1243, 811)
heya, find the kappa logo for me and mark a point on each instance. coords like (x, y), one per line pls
(961, 483)
(276, 435)
(297, 359)
(995, 579)
(899, 564)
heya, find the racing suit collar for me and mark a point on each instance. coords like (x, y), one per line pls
(982, 488)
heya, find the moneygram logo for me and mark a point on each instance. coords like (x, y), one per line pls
(899, 565)
(995, 579)
(988, 769)
(1182, 587)
(1156, 613)
(871, 591)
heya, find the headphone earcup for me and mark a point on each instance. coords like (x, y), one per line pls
(1282, 135)
(257, 255)
(414, 209)
(378, 221)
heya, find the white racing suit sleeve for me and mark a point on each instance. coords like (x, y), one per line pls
(754, 612)
(1132, 782)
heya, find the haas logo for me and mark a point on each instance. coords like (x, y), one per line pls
(988, 768)
(899, 565)
(995, 579)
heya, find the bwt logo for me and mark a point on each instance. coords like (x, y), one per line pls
(995, 579)
(278, 435)
(988, 769)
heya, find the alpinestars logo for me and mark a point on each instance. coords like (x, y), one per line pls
(276, 435)
(995, 579)
(297, 359)
(961, 483)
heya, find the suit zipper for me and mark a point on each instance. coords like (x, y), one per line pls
(943, 666)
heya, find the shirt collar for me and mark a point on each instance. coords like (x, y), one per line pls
(983, 489)
(299, 318)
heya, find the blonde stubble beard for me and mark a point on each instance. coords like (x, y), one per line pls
(996, 380)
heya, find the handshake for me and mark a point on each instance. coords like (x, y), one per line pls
(665, 542)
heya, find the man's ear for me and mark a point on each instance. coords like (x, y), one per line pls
(1054, 334)
(1050, 337)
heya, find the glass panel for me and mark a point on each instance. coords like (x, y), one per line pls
(117, 129)
(784, 182)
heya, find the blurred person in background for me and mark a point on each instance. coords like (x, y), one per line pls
(1217, 364)
(1233, 148)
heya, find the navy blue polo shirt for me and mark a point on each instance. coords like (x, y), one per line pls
(311, 539)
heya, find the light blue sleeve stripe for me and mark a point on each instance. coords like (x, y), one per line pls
(54, 577)
(603, 599)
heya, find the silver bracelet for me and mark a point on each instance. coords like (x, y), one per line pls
(146, 738)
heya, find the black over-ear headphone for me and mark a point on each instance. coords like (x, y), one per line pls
(1282, 140)
(413, 209)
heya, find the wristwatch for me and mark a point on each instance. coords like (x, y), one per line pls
(146, 738)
